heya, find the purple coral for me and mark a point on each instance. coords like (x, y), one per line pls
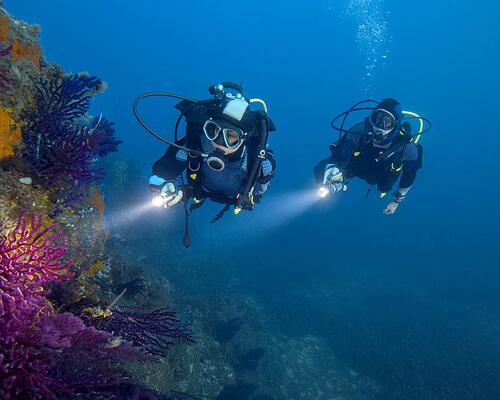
(30, 254)
(156, 331)
(105, 140)
(61, 100)
(47, 356)
(71, 157)
(24, 365)
(29, 258)
(6, 51)
(60, 146)
(88, 357)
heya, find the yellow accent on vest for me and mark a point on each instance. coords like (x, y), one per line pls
(193, 176)
(382, 194)
(260, 101)
(236, 210)
(357, 153)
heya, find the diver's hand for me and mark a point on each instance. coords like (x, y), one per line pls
(171, 193)
(332, 175)
(245, 202)
(391, 208)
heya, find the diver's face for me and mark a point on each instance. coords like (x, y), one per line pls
(227, 151)
(224, 138)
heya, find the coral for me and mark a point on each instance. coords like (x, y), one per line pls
(26, 51)
(95, 268)
(10, 134)
(23, 364)
(133, 287)
(29, 258)
(156, 331)
(88, 356)
(30, 255)
(5, 51)
(44, 355)
(4, 28)
(61, 100)
(105, 139)
(97, 200)
(59, 145)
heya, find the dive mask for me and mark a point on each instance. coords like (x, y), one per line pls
(231, 137)
(383, 122)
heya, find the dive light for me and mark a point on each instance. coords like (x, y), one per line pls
(323, 192)
(161, 200)
(326, 190)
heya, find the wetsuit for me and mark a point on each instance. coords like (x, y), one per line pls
(356, 155)
(203, 182)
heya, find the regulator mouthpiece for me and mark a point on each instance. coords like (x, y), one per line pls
(216, 164)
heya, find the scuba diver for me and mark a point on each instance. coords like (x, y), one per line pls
(222, 157)
(379, 150)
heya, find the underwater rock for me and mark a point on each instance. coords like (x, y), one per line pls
(21, 67)
(26, 180)
(225, 331)
(250, 360)
(240, 391)
(291, 364)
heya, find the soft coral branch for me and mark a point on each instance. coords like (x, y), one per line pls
(30, 254)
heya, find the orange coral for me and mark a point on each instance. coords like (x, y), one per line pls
(10, 135)
(97, 200)
(4, 28)
(95, 268)
(26, 51)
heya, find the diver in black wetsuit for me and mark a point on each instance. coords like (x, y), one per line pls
(224, 154)
(378, 150)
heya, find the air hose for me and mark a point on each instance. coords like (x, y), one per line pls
(261, 155)
(152, 132)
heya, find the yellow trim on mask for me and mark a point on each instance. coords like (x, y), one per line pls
(261, 102)
(417, 138)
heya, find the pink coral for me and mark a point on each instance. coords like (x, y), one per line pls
(30, 254)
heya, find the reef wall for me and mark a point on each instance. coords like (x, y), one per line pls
(65, 328)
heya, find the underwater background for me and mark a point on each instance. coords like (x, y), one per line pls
(404, 306)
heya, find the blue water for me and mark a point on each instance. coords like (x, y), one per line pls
(410, 300)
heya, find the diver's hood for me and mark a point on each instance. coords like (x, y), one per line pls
(385, 140)
(394, 107)
(236, 112)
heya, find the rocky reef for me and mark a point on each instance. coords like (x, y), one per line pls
(62, 337)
